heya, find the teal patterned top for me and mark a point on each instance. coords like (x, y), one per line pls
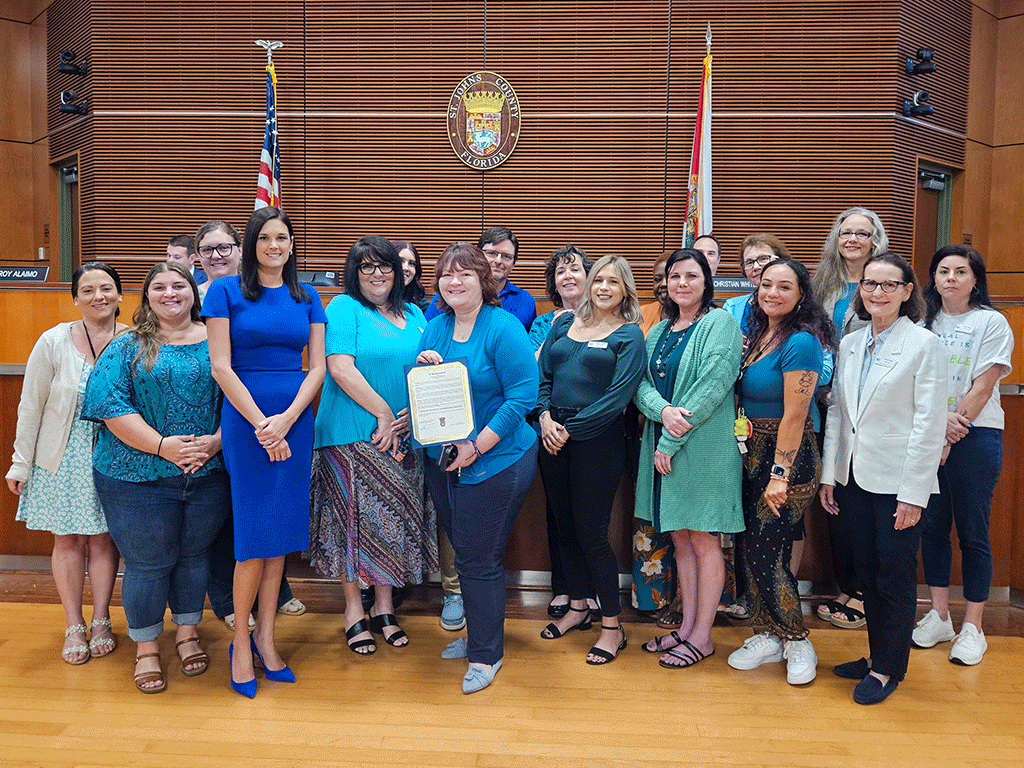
(177, 397)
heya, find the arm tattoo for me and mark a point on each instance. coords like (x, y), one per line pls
(806, 384)
(781, 456)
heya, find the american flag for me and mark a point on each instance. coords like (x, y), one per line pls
(268, 187)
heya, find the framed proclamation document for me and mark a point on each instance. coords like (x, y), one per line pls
(440, 403)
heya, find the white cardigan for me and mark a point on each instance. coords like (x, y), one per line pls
(49, 395)
(894, 437)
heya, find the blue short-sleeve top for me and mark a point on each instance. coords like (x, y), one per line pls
(177, 397)
(762, 386)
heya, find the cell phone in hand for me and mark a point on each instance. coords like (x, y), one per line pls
(448, 455)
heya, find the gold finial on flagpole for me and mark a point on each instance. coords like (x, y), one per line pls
(707, 39)
(273, 45)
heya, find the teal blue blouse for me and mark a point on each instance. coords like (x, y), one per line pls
(177, 397)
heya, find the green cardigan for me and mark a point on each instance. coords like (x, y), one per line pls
(704, 490)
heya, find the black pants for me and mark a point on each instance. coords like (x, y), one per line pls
(886, 564)
(581, 481)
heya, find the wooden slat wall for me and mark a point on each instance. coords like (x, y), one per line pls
(805, 96)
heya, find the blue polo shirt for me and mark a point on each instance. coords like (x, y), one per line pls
(513, 299)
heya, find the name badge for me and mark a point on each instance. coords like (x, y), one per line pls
(885, 362)
(964, 329)
(597, 344)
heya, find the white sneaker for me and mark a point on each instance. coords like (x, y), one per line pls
(756, 650)
(970, 646)
(801, 661)
(932, 630)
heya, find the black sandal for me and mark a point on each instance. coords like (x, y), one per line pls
(658, 643)
(357, 629)
(688, 660)
(377, 624)
(553, 632)
(607, 658)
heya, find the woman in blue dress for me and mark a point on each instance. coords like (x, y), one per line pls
(259, 324)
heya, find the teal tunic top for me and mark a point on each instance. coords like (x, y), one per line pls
(381, 350)
(703, 491)
(177, 397)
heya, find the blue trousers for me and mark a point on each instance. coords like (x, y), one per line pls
(966, 483)
(164, 529)
(478, 519)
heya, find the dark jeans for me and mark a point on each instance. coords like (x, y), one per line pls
(478, 519)
(222, 574)
(886, 563)
(581, 481)
(164, 529)
(966, 483)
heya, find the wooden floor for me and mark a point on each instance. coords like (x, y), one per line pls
(546, 707)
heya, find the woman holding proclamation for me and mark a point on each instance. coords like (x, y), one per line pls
(51, 469)
(370, 524)
(260, 323)
(479, 493)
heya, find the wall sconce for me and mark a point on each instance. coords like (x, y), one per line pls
(66, 65)
(917, 107)
(924, 64)
(68, 104)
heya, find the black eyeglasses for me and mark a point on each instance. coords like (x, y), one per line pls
(369, 267)
(224, 249)
(760, 260)
(887, 287)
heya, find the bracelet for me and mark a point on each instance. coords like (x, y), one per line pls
(476, 450)
(160, 445)
(780, 477)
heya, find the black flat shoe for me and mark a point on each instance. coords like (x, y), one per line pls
(853, 670)
(377, 624)
(557, 611)
(870, 690)
(553, 632)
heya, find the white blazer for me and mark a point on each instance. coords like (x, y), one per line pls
(894, 437)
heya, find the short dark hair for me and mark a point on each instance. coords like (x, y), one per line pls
(183, 241)
(495, 235)
(89, 266)
(250, 280)
(706, 299)
(913, 307)
(979, 293)
(378, 250)
(414, 292)
(709, 237)
(563, 255)
(467, 256)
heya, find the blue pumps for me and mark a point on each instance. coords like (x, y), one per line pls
(247, 689)
(283, 675)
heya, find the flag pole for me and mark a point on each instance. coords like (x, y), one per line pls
(268, 186)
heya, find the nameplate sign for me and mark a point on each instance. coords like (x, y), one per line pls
(24, 274)
(732, 285)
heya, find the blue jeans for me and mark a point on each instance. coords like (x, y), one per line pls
(478, 519)
(222, 573)
(164, 529)
(966, 483)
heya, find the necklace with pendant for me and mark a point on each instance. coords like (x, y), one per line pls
(661, 363)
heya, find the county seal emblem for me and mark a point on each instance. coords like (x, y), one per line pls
(483, 120)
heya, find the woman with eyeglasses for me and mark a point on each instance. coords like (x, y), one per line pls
(756, 251)
(259, 326)
(883, 442)
(51, 469)
(482, 486)
(856, 235)
(370, 523)
(978, 345)
(778, 376)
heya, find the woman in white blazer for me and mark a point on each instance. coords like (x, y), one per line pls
(51, 470)
(883, 441)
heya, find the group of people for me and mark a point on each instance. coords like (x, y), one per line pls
(209, 466)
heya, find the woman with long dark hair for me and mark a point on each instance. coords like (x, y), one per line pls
(978, 345)
(157, 468)
(412, 274)
(686, 396)
(781, 366)
(883, 443)
(51, 470)
(259, 326)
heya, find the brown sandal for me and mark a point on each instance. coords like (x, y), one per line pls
(141, 678)
(202, 658)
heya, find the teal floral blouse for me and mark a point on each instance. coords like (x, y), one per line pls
(177, 397)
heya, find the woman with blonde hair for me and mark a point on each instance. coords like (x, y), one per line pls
(590, 365)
